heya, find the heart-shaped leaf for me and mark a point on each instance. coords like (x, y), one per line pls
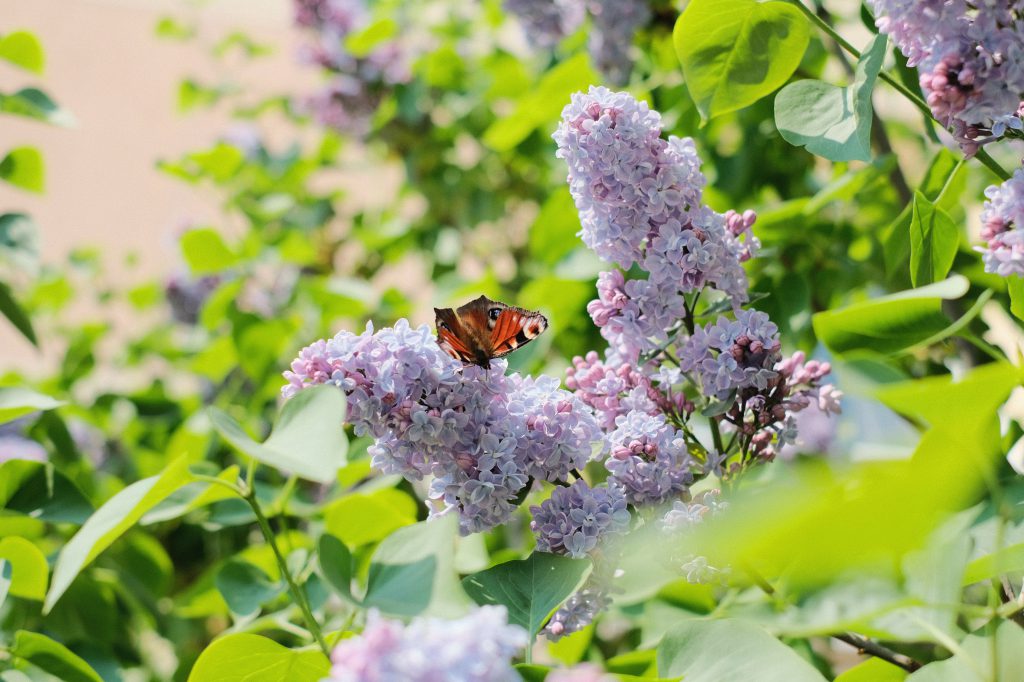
(734, 52)
(934, 239)
(830, 121)
(243, 657)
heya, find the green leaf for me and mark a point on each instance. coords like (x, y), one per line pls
(10, 309)
(934, 239)
(35, 104)
(730, 651)
(1006, 560)
(336, 566)
(38, 490)
(734, 52)
(830, 121)
(873, 670)
(193, 496)
(542, 104)
(531, 589)
(17, 401)
(29, 570)
(974, 661)
(205, 252)
(889, 324)
(110, 521)
(245, 587)
(413, 572)
(308, 437)
(1015, 287)
(553, 233)
(359, 519)
(23, 167)
(362, 43)
(23, 49)
(53, 657)
(5, 580)
(252, 658)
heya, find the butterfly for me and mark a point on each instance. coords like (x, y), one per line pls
(484, 329)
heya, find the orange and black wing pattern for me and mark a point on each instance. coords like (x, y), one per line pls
(484, 329)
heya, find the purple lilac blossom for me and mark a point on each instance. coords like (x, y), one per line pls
(476, 648)
(730, 355)
(1002, 214)
(575, 519)
(578, 611)
(613, 390)
(971, 61)
(546, 22)
(480, 434)
(614, 24)
(682, 518)
(186, 295)
(649, 459)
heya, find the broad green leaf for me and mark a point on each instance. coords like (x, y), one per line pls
(362, 43)
(1006, 560)
(14, 313)
(734, 52)
(974, 662)
(38, 490)
(531, 589)
(205, 252)
(934, 239)
(28, 568)
(873, 670)
(17, 401)
(1015, 286)
(336, 566)
(889, 324)
(830, 121)
(532, 673)
(23, 167)
(553, 233)
(193, 496)
(308, 438)
(36, 104)
(251, 658)
(359, 519)
(541, 104)
(245, 587)
(53, 657)
(730, 651)
(23, 49)
(110, 521)
(413, 572)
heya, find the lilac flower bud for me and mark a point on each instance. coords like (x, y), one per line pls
(649, 459)
(573, 520)
(733, 354)
(476, 648)
(612, 390)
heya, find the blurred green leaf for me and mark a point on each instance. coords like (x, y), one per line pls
(53, 657)
(730, 651)
(39, 490)
(24, 50)
(205, 252)
(245, 587)
(36, 104)
(5, 580)
(553, 233)
(359, 519)
(734, 52)
(531, 589)
(23, 167)
(1006, 560)
(191, 497)
(17, 401)
(336, 566)
(873, 670)
(308, 438)
(242, 657)
(830, 121)
(973, 662)
(172, 29)
(413, 572)
(29, 570)
(14, 313)
(934, 239)
(362, 43)
(110, 521)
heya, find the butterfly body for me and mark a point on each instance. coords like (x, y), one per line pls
(483, 329)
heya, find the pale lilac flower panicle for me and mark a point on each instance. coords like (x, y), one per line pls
(575, 519)
(1002, 215)
(615, 23)
(611, 389)
(730, 355)
(476, 648)
(649, 459)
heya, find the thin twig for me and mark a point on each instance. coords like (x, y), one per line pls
(873, 648)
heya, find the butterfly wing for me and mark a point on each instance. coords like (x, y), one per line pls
(514, 328)
(449, 333)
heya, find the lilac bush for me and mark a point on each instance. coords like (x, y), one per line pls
(476, 648)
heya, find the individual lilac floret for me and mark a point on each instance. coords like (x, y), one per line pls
(615, 23)
(1003, 213)
(480, 434)
(573, 520)
(17, 447)
(649, 459)
(577, 612)
(547, 22)
(730, 355)
(476, 648)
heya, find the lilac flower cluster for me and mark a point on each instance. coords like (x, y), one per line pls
(639, 198)
(649, 459)
(480, 434)
(970, 56)
(546, 22)
(578, 611)
(1001, 218)
(682, 518)
(476, 648)
(356, 83)
(730, 355)
(573, 520)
